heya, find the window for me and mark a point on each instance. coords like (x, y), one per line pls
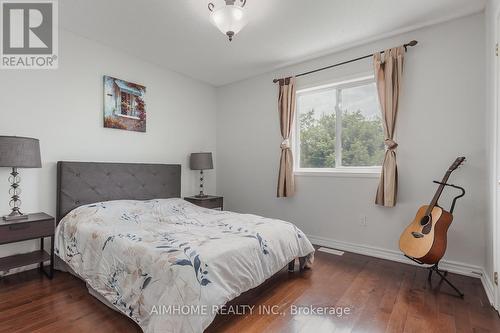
(128, 105)
(339, 128)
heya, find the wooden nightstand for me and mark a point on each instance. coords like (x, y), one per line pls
(211, 201)
(39, 225)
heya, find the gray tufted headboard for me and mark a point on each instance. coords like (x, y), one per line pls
(82, 183)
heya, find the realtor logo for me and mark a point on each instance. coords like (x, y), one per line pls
(29, 34)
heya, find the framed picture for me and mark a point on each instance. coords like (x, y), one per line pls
(124, 105)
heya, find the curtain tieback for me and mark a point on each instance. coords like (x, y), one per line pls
(285, 144)
(390, 144)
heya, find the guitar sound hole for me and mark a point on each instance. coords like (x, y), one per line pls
(425, 220)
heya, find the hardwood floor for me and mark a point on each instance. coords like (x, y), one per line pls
(382, 296)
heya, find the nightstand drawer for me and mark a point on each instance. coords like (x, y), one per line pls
(14, 232)
(211, 203)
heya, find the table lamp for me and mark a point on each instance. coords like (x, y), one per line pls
(18, 152)
(201, 161)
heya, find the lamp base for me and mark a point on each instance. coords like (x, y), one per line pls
(201, 196)
(15, 203)
(15, 216)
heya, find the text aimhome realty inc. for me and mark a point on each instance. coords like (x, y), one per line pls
(204, 310)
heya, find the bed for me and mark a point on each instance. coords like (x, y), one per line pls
(162, 261)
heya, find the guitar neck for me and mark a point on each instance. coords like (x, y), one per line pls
(438, 193)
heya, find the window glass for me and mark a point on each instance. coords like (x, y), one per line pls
(339, 126)
(362, 132)
(317, 129)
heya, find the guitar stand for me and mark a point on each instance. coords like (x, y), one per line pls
(435, 267)
(442, 274)
(452, 208)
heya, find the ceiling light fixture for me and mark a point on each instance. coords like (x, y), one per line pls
(229, 19)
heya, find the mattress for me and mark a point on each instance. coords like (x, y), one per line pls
(170, 265)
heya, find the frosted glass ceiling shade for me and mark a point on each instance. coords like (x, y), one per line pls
(229, 20)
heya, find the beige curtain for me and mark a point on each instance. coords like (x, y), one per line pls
(286, 110)
(388, 74)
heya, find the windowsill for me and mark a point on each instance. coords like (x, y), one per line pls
(129, 117)
(373, 172)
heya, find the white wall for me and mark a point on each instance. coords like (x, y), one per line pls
(441, 117)
(63, 108)
(492, 12)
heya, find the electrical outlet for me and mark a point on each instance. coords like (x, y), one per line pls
(363, 221)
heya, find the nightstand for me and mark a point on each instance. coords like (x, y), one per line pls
(211, 201)
(39, 225)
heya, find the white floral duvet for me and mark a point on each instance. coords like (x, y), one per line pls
(149, 258)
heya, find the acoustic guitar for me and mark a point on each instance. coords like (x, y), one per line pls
(425, 238)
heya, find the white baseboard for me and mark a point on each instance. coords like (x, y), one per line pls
(488, 288)
(372, 251)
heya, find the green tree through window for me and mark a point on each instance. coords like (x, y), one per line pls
(360, 132)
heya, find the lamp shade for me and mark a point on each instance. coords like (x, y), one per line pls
(19, 152)
(201, 161)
